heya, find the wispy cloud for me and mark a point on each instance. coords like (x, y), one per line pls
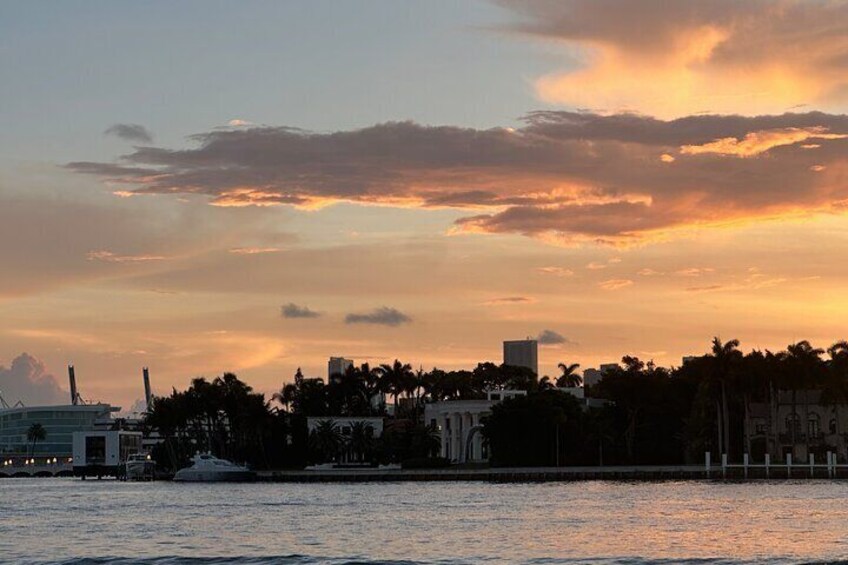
(556, 271)
(253, 250)
(510, 300)
(758, 142)
(694, 271)
(647, 272)
(384, 316)
(110, 257)
(615, 284)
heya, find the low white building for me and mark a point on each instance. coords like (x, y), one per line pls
(576, 391)
(459, 423)
(103, 452)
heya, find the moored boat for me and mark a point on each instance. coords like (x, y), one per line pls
(208, 468)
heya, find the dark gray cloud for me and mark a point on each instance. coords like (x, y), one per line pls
(130, 132)
(384, 316)
(550, 337)
(292, 310)
(28, 381)
(566, 175)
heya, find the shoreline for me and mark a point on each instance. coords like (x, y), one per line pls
(555, 474)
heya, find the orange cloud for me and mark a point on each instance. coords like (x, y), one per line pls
(253, 250)
(564, 178)
(615, 284)
(755, 143)
(110, 257)
(679, 58)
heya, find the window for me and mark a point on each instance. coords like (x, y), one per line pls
(813, 425)
(95, 450)
(793, 423)
(832, 426)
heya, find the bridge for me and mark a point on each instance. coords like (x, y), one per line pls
(36, 467)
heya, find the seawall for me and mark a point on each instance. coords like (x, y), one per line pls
(546, 474)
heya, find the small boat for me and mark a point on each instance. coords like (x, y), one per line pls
(140, 467)
(207, 468)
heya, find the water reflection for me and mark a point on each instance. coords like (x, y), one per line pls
(55, 519)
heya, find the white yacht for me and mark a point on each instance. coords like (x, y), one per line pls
(208, 468)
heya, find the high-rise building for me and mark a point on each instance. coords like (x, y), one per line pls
(522, 353)
(591, 377)
(338, 366)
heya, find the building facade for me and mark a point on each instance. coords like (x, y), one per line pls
(522, 353)
(459, 423)
(59, 423)
(338, 366)
(591, 376)
(802, 423)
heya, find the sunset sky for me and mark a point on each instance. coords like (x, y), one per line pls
(253, 187)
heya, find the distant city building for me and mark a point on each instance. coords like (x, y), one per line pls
(522, 353)
(338, 366)
(59, 423)
(591, 376)
(459, 424)
(688, 358)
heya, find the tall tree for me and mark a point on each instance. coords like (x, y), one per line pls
(35, 433)
(725, 358)
(569, 378)
(394, 379)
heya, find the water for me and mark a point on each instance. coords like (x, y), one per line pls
(73, 522)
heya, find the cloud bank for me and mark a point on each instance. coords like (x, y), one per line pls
(28, 381)
(564, 176)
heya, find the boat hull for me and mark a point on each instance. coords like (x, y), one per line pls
(212, 476)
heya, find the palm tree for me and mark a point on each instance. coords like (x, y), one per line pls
(801, 360)
(287, 396)
(724, 357)
(836, 389)
(569, 379)
(35, 433)
(394, 379)
(326, 440)
(361, 441)
(545, 383)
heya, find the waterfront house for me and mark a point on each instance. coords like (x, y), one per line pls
(459, 423)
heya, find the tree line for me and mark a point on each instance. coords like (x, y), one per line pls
(646, 414)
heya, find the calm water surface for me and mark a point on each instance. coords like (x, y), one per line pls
(70, 521)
